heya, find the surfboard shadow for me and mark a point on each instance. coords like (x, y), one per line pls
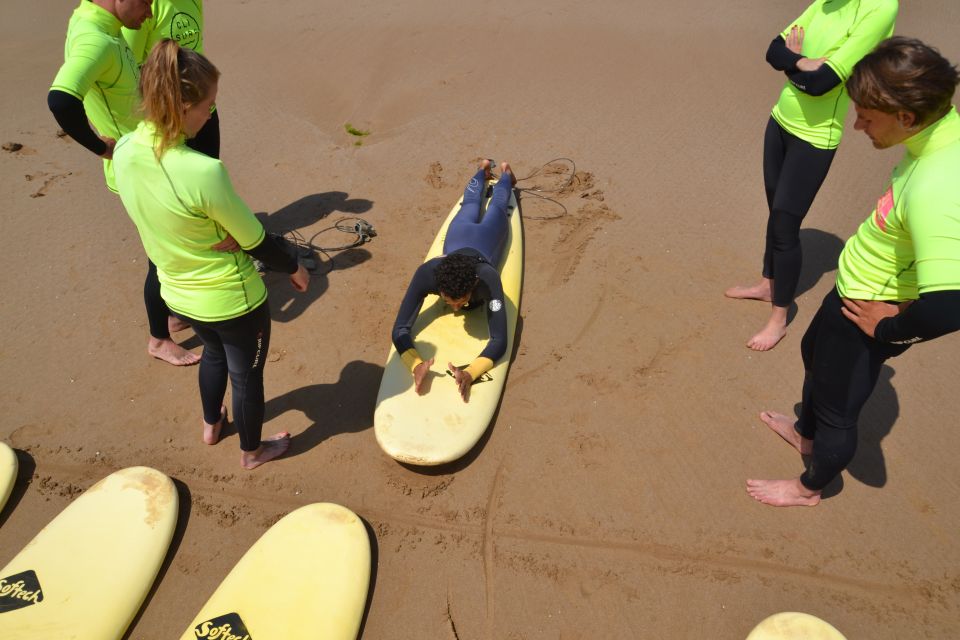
(25, 468)
(345, 406)
(374, 563)
(185, 503)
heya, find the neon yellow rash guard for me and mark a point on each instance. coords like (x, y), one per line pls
(182, 205)
(179, 20)
(842, 31)
(910, 244)
(100, 69)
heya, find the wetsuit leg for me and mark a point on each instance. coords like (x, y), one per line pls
(799, 173)
(207, 140)
(844, 366)
(489, 234)
(213, 370)
(467, 216)
(157, 310)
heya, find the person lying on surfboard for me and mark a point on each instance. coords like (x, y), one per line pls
(465, 277)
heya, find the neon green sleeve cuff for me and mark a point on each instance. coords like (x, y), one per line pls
(411, 358)
(479, 367)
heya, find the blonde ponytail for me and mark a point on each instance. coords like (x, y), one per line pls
(171, 80)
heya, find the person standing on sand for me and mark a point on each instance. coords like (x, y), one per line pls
(898, 280)
(98, 84)
(182, 22)
(187, 213)
(817, 53)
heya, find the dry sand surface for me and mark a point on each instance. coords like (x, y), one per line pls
(607, 500)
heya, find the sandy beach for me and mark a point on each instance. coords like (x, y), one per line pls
(607, 499)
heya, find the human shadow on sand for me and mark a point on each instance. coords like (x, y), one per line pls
(876, 421)
(344, 406)
(821, 250)
(285, 303)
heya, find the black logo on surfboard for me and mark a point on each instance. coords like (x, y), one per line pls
(225, 627)
(19, 591)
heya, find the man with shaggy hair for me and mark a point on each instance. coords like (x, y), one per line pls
(898, 281)
(465, 277)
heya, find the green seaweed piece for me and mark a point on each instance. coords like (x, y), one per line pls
(349, 128)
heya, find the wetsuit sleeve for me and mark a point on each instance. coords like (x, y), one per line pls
(815, 83)
(496, 323)
(421, 284)
(276, 253)
(220, 202)
(933, 315)
(780, 57)
(69, 114)
(90, 60)
(872, 27)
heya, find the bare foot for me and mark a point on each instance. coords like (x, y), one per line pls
(486, 165)
(169, 351)
(273, 447)
(175, 324)
(782, 493)
(505, 168)
(211, 432)
(760, 291)
(772, 332)
(784, 427)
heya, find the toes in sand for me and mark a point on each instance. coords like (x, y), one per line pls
(782, 493)
(270, 448)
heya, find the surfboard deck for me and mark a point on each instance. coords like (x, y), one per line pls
(8, 473)
(438, 427)
(792, 625)
(305, 578)
(86, 574)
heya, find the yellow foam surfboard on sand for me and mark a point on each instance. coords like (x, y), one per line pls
(791, 625)
(306, 578)
(438, 427)
(8, 472)
(86, 574)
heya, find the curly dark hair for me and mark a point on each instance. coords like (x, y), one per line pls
(456, 275)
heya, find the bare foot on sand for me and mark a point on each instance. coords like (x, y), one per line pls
(505, 168)
(784, 426)
(761, 291)
(211, 432)
(175, 324)
(273, 447)
(782, 493)
(169, 351)
(772, 332)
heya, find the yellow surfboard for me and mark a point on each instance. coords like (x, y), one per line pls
(85, 575)
(305, 578)
(8, 472)
(439, 427)
(791, 625)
